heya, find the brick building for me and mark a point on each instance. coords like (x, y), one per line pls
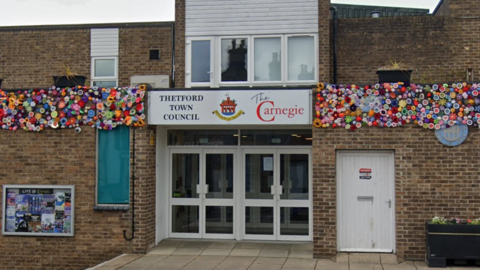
(30, 56)
(259, 171)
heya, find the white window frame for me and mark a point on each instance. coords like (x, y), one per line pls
(282, 61)
(315, 46)
(107, 78)
(188, 63)
(215, 61)
(218, 66)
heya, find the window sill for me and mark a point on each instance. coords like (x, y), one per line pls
(111, 208)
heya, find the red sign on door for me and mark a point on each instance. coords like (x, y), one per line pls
(365, 174)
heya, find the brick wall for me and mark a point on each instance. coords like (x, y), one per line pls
(134, 51)
(179, 43)
(430, 179)
(324, 40)
(29, 57)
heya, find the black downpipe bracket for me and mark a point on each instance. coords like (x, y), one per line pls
(133, 190)
(334, 43)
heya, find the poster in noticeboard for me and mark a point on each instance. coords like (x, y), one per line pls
(38, 210)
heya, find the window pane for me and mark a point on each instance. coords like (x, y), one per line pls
(219, 175)
(114, 166)
(301, 58)
(185, 175)
(259, 220)
(104, 67)
(234, 60)
(267, 59)
(219, 219)
(294, 220)
(258, 176)
(185, 219)
(276, 137)
(294, 176)
(200, 61)
(105, 84)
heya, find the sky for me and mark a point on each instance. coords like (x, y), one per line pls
(41, 12)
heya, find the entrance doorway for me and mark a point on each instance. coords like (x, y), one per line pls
(235, 184)
(366, 205)
(276, 194)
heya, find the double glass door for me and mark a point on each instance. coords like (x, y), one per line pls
(202, 192)
(277, 194)
(240, 193)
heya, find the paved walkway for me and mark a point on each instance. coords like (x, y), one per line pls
(232, 255)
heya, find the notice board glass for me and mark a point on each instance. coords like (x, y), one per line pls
(38, 210)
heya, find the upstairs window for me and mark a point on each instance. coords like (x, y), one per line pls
(252, 60)
(104, 72)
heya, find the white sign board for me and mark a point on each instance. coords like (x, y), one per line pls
(236, 107)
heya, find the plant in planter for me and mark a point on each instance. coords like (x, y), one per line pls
(395, 72)
(69, 79)
(452, 239)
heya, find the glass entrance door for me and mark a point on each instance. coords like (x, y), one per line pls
(202, 199)
(277, 197)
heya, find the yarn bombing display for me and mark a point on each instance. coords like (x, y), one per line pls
(103, 108)
(435, 106)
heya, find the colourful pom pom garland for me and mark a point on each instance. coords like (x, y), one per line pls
(434, 106)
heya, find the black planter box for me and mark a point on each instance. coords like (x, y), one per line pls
(451, 242)
(63, 81)
(394, 76)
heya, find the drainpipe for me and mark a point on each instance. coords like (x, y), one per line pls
(334, 42)
(173, 55)
(133, 192)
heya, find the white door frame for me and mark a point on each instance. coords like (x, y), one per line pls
(276, 203)
(202, 202)
(340, 196)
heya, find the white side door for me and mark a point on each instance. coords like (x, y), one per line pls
(366, 206)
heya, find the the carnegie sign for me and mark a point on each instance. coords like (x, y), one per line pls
(237, 107)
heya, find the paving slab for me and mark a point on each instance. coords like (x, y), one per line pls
(342, 258)
(143, 263)
(270, 261)
(300, 263)
(365, 266)
(195, 244)
(187, 251)
(276, 246)
(216, 252)
(228, 245)
(303, 247)
(170, 243)
(264, 267)
(401, 266)
(245, 252)
(273, 253)
(162, 251)
(172, 262)
(249, 245)
(301, 254)
(388, 259)
(323, 264)
(235, 263)
(373, 258)
(204, 263)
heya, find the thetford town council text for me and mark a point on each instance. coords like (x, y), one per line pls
(181, 107)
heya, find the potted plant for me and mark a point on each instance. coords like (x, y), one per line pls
(452, 239)
(395, 72)
(69, 79)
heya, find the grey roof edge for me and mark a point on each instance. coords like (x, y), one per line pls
(85, 26)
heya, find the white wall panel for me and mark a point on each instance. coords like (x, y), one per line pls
(104, 42)
(250, 17)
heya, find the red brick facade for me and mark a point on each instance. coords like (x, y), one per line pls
(430, 178)
(29, 57)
